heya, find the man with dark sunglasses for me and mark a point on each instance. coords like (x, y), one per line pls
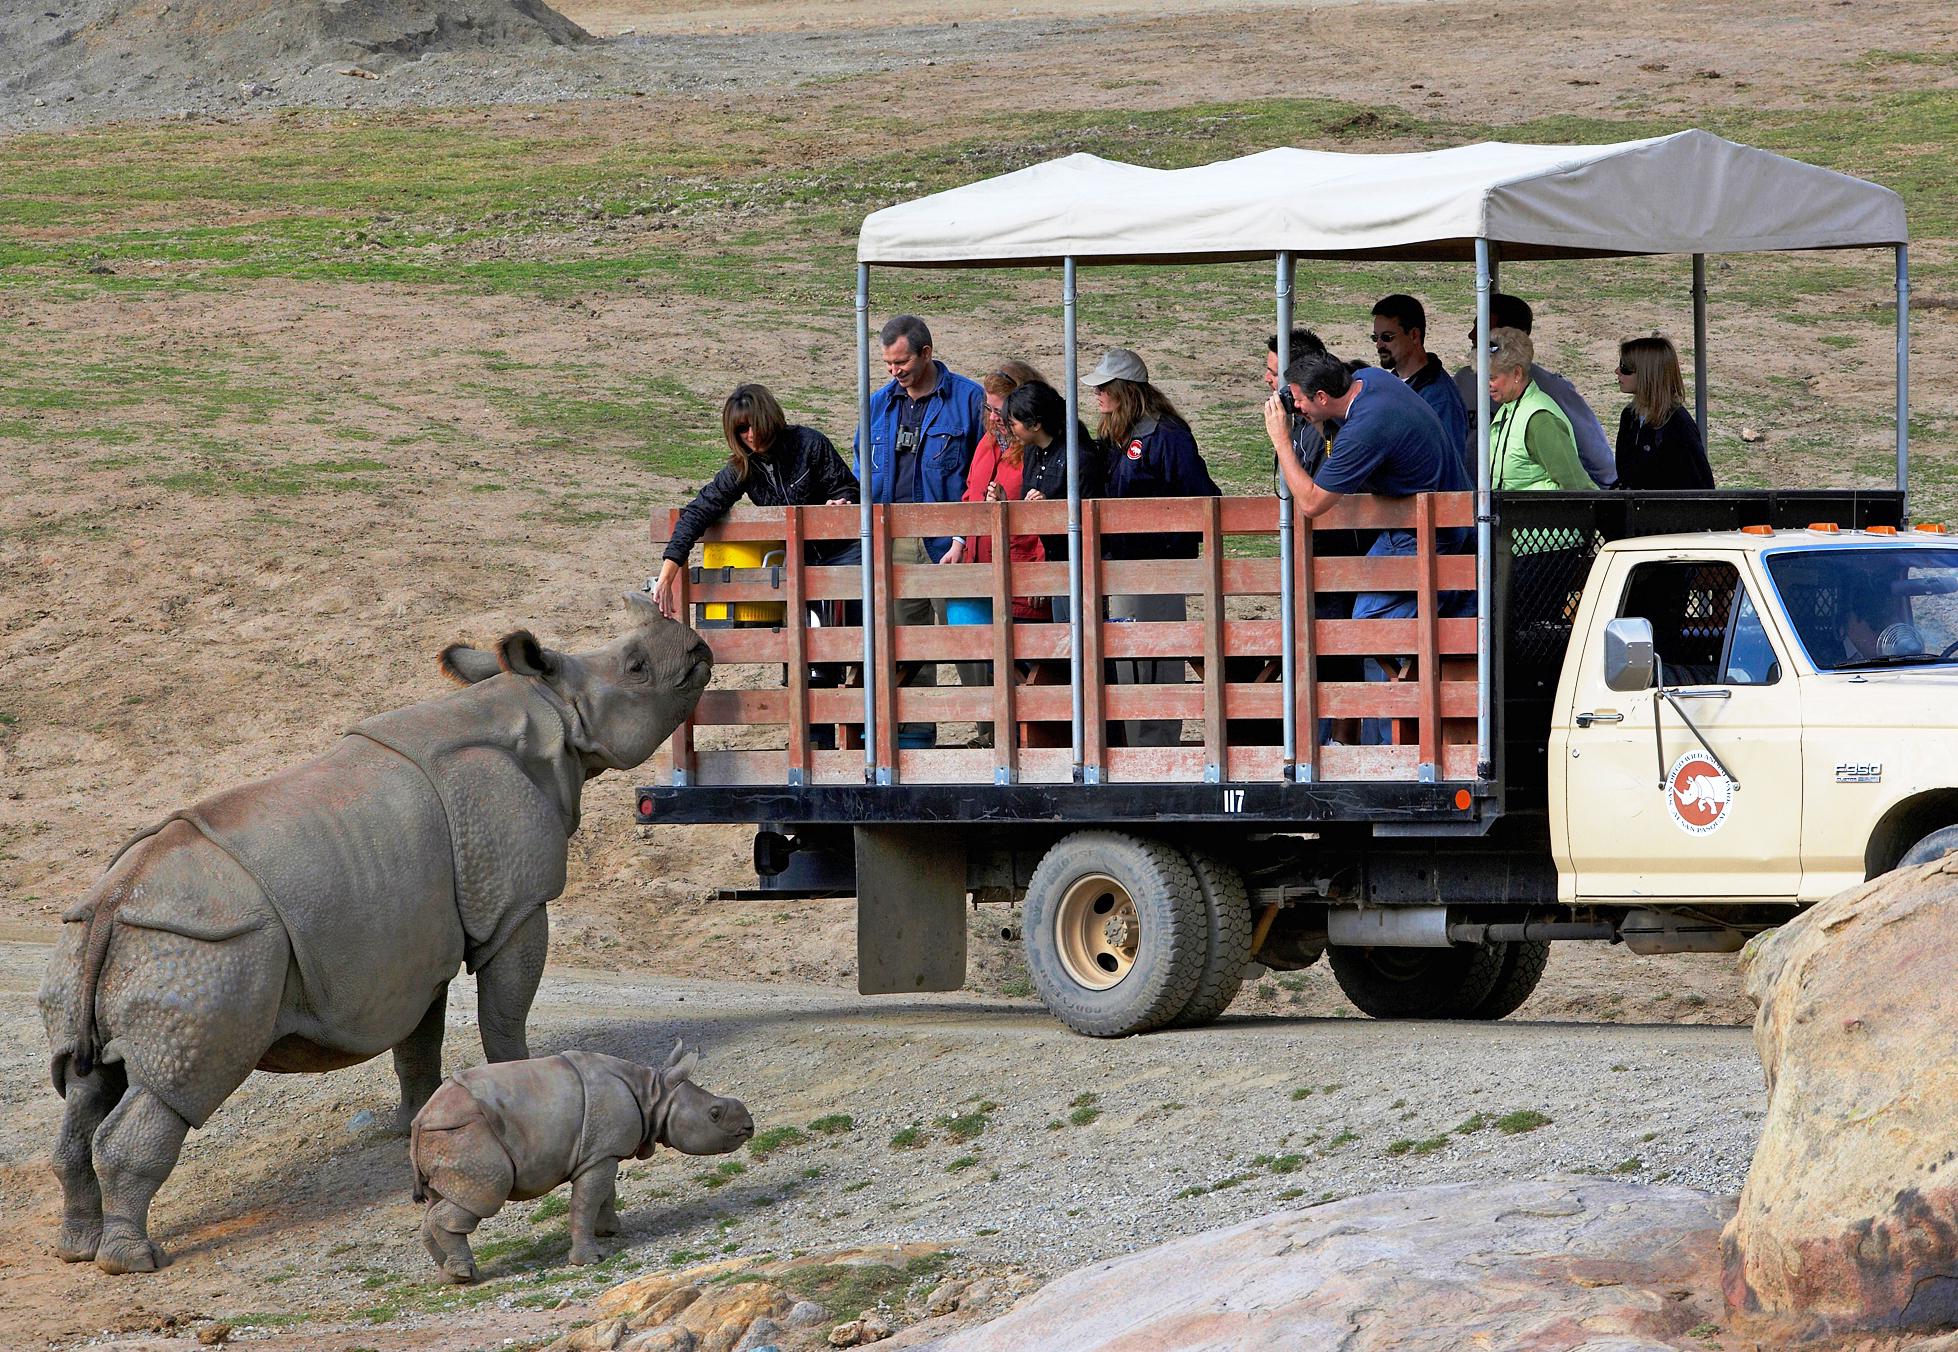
(1400, 331)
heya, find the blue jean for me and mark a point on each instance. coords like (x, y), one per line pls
(1402, 606)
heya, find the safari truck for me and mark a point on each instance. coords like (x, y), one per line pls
(1672, 719)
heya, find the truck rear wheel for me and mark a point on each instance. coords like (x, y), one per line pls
(1417, 983)
(1115, 932)
(1522, 968)
(1934, 846)
(1227, 943)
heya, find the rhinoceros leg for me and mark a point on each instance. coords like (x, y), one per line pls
(445, 1234)
(135, 1150)
(89, 1098)
(593, 1193)
(418, 1060)
(505, 986)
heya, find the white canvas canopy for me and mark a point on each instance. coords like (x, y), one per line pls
(1492, 203)
(1690, 192)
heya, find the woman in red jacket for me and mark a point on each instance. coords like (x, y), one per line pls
(997, 473)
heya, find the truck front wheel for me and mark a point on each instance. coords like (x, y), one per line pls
(1934, 846)
(1116, 932)
(1418, 983)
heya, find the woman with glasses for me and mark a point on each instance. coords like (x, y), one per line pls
(1659, 444)
(773, 463)
(997, 474)
(1531, 444)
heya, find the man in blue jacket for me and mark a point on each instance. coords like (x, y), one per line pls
(923, 427)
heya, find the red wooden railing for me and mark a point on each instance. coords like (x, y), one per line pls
(753, 724)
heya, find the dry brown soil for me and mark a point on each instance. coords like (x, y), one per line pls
(156, 645)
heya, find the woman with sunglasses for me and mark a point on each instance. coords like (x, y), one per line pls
(773, 463)
(1659, 444)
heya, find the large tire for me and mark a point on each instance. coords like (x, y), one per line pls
(1934, 846)
(1417, 983)
(1521, 970)
(1115, 932)
(1227, 939)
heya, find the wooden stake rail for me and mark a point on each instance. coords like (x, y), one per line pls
(755, 725)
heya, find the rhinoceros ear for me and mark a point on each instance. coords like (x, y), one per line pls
(466, 665)
(641, 607)
(522, 653)
(679, 1066)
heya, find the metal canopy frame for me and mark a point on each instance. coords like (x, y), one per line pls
(1487, 262)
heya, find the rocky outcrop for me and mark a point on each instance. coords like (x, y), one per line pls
(1539, 1265)
(1849, 1219)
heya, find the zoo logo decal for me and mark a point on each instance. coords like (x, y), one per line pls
(1698, 794)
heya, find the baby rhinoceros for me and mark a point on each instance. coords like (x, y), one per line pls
(514, 1130)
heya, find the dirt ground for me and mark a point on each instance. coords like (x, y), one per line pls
(157, 644)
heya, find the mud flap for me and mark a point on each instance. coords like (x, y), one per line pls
(910, 909)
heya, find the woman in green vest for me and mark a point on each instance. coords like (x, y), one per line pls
(1531, 444)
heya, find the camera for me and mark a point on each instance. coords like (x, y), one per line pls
(1286, 401)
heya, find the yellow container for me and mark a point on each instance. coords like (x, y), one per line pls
(743, 554)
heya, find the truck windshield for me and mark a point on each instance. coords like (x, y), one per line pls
(1862, 608)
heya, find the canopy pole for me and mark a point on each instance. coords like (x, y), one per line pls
(866, 461)
(1903, 372)
(1072, 365)
(1288, 610)
(1485, 282)
(1699, 343)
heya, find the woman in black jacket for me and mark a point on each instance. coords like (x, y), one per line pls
(773, 463)
(1659, 444)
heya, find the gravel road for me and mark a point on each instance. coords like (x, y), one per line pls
(1031, 1147)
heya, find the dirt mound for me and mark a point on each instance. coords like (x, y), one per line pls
(104, 49)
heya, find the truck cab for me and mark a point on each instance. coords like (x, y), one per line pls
(1797, 729)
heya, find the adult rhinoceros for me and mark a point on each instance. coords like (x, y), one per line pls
(314, 919)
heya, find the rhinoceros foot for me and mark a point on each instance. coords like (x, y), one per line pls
(128, 1253)
(78, 1242)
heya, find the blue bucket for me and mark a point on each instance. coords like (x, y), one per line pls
(968, 610)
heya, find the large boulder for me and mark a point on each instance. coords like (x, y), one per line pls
(1523, 1266)
(1849, 1219)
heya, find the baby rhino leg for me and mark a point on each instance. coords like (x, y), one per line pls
(592, 1194)
(445, 1231)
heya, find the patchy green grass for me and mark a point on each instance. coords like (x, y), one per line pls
(549, 1208)
(763, 1144)
(1424, 1146)
(835, 1124)
(721, 1174)
(908, 1138)
(1516, 1123)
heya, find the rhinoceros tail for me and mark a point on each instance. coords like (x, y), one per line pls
(95, 955)
(420, 1190)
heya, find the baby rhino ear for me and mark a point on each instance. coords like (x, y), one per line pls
(466, 666)
(681, 1070)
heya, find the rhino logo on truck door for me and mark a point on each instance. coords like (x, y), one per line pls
(1698, 794)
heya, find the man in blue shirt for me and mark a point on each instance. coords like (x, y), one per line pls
(923, 427)
(1400, 332)
(1389, 443)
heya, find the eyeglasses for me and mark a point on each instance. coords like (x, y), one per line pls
(996, 414)
(1626, 371)
(1384, 338)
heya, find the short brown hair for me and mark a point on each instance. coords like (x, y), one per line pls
(1008, 377)
(750, 407)
(1657, 386)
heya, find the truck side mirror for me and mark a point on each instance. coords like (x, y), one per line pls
(1628, 660)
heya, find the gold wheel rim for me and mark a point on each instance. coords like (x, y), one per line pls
(1097, 932)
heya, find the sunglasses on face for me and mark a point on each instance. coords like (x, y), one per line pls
(1626, 371)
(1385, 338)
